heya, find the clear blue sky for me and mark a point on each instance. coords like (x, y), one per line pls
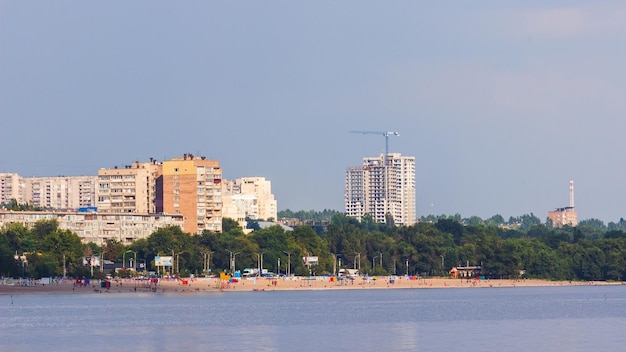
(501, 103)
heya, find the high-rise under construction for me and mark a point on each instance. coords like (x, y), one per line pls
(382, 187)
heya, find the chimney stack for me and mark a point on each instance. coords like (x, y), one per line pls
(571, 193)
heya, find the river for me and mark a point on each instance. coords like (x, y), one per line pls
(568, 318)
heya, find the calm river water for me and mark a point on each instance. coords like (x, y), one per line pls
(572, 318)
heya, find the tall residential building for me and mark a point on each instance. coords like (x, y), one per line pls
(11, 187)
(355, 197)
(131, 189)
(191, 186)
(380, 187)
(60, 192)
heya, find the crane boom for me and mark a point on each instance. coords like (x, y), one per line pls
(386, 134)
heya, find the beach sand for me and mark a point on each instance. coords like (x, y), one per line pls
(202, 285)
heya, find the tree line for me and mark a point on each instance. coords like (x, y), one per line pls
(428, 248)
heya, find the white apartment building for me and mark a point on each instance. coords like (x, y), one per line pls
(380, 187)
(60, 192)
(97, 227)
(253, 197)
(240, 207)
(11, 187)
(131, 189)
(355, 196)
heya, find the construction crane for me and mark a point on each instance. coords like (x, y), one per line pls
(382, 133)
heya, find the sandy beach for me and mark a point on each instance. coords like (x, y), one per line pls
(202, 285)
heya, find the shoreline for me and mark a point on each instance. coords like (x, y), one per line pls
(214, 285)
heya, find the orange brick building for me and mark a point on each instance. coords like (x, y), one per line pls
(191, 186)
(563, 217)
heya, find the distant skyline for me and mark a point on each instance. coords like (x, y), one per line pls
(502, 104)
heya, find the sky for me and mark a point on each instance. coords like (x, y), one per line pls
(501, 103)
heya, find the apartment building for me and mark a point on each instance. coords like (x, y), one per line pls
(97, 227)
(11, 187)
(251, 196)
(239, 207)
(60, 192)
(355, 196)
(191, 186)
(382, 186)
(131, 189)
(566, 216)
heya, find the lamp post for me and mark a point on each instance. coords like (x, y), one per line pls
(374, 262)
(23, 260)
(358, 266)
(288, 263)
(381, 258)
(232, 261)
(407, 267)
(207, 262)
(262, 263)
(173, 261)
(442, 264)
(143, 265)
(334, 264)
(178, 261)
(102, 260)
(124, 259)
(259, 262)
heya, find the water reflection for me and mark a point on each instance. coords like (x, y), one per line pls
(515, 319)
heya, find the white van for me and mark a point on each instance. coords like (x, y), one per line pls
(348, 272)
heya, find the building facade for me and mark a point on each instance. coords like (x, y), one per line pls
(192, 186)
(60, 192)
(382, 186)
(560, 217)
(97, 227)
(355, 196)
(238, 207)
(252, 197)
(131, 189)
(11, 187)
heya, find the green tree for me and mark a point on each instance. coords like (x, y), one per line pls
(42, 228)
(62, 246)
(593, 223)
(230, 225)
